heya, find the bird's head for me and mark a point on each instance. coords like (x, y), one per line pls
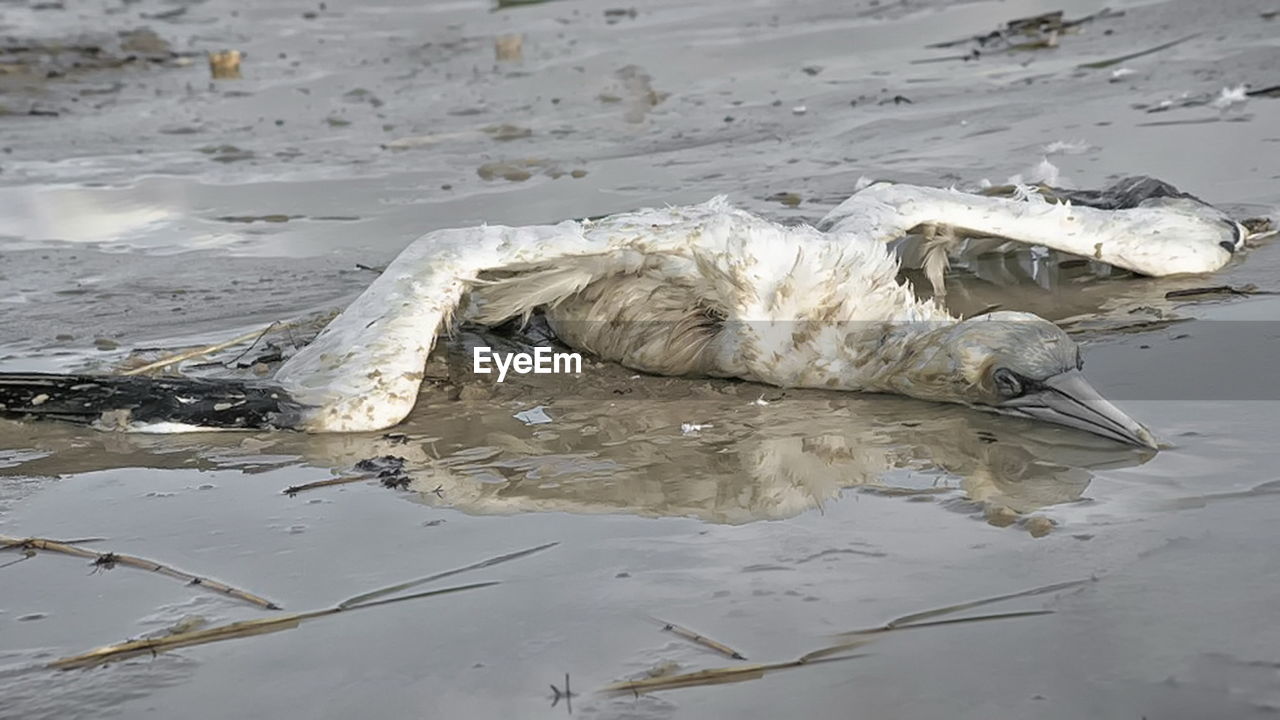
(1022, 365)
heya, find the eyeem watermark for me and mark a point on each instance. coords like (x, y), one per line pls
(542, 361)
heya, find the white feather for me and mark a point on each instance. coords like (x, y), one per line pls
(1231, 96)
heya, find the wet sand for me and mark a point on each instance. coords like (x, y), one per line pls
(173, 210)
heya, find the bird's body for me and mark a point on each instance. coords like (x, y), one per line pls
(733, 296)
(713, 290)
(701, 290)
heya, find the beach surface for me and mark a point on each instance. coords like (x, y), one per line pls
(145, 207)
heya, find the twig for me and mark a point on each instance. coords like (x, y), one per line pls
(852, 640)
(713, 676)
(1078, 325)
(927, 614)
(1103, 14)
(1217, 290)
(1098, 65)
(295, 489)
(922, 619)
(252, 345)
(108, 559)
(702, 640)
(248, 628)
(366, 597)
(862, 637)
(1052, 21)
(895, 491)
(199, 352)
(26, 556)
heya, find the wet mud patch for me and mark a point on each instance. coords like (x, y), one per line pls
(59, 58)
(46, 696)
(50, 76)
(521, 170)
(115, 310)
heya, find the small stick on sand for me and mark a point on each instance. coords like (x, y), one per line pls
(295, 489)
(851, 641)
(26, 555)
(702, 640)
(366, 598)
(230, 631)
(1217, 290)
(925, 618)
(109, 559)
(862, 637)
(1131, 56)
(207, 350)
(252, 345)
(714, 676)
(929, 614)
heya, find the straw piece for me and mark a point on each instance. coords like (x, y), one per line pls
(862, 637)
(295, 489)
(109, 559)
(926, 614)
(207, 350)
(123, 650)
(714, 676)
(852, 641)
(230, 631)
(699, 639)
(1131, 56)
(366, 597)
(25, 556)
(1217, 290)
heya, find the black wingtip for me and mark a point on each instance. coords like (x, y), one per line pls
(119, 402)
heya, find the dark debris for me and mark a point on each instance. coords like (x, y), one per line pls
(389, 469)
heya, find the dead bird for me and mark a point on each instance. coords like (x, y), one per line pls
(703, 290)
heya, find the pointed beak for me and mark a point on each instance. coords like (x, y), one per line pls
(1068, 399)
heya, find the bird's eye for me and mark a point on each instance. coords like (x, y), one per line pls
(1007, 382)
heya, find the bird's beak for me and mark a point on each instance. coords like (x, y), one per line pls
(1068, 399)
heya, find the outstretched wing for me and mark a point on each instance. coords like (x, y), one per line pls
(1157, 235)
(364, 370)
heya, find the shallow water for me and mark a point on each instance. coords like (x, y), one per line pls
(175, 211)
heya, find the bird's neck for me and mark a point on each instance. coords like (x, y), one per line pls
(912, 359)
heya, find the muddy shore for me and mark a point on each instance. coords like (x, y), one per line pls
(145, 206)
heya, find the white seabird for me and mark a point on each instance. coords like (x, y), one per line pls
(702, 290)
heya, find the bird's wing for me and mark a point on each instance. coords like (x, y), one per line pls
(363, 371)
(1165, 237)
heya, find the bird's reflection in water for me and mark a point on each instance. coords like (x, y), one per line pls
(636, 453)
(747, 461)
